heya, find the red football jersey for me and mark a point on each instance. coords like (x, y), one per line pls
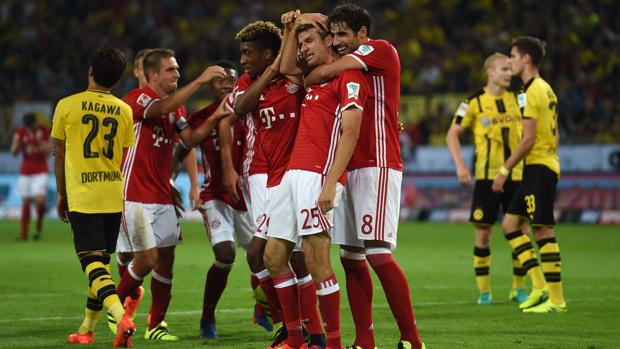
(147, 165)
(379, 142)
(321, 112)
(212, 188)
(34, 159)
(254, 160)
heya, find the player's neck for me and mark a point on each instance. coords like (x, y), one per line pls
(158, 90)
(92, 85)
(493, 89)
(528, 74)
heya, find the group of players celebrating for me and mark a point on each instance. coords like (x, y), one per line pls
(300, 152)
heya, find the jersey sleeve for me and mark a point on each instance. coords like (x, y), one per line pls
(375, 55)
(464, 114)
(58, 122)
(180, 121)
(128, 136)
(530, 100)
(241, 86)
(140, 101)
(353, 90)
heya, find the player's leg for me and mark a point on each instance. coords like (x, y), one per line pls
(310, 316)
(219, 223)
(92, 312)
(517, 292)
(520, 210)
(482, 263)
(376, 197)
(39, 191)
(357, 274)
(23, 189)
(276, 259)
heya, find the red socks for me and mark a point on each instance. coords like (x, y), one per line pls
(161, 291)
(360, 292)
(40, 215)
(217, 278)
(288, 294)
(267, 284)
(308, 301)
(328, 293)
(25, 219)
(396, 288)
(129, 283)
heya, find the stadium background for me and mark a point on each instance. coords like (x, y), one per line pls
(45, 50)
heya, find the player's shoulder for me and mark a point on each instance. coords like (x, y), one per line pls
(371, 45)
(244, 80)
(351, 75)
(203, 113)
(476, 95)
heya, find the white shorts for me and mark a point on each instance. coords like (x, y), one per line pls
(294, 203)
(145, 226)
(255, 196)
(29, 186)
(370, 207)
(224, 223)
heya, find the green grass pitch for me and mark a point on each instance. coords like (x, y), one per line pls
(42, 293)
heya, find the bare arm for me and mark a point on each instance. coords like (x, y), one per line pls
(524, 147)
(454, 145)
(351, 121)
(289, 64)
(191, 166)
(62, 207)
(15, 145)
(230, 177)
(248, 101)
(173, 101)
(193, 136)
(326, 72)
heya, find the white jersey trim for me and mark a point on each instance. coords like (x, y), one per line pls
(359, 60)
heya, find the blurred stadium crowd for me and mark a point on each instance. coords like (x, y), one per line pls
(442, 45)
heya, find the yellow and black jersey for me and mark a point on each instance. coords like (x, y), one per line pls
(538, 101)
(496, 124)
(96, 127)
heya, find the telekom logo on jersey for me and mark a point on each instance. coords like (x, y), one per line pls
(268, 115)
(158, 136)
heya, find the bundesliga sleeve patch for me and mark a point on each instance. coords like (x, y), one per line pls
(143, 99)
(364, 50)
(522, 100)
(353, 90)
(462, 110)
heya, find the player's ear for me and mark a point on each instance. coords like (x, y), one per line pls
(363, 32)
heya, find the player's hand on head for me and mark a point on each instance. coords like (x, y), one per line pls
(464, 176)
(212, 72)
(288, 18)
(326, 198)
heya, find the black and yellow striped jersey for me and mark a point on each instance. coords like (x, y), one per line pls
(539, 102)
(495, 122)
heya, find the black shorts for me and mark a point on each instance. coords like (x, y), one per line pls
(95, 231)
(485, 203)
(535, 198)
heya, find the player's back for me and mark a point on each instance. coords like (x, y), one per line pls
(379, 141)
(541, 103)
(95, 126)
(495, 122)
(34, 158)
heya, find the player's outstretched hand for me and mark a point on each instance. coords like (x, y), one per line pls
(498, 183)
(220, 112)
(212, 72)
(232, 184)
(327, 197)
(62, 208)
(464, 176)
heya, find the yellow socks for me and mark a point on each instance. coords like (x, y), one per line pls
(518, 273)
(522, 247)
(552, 267)
(98, 271)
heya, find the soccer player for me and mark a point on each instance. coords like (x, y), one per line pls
(270, 103)
(367, 221)
(33, 141)
(150, 227)
(494, 117)
(533, 202)
(91, 130)
(328, 131)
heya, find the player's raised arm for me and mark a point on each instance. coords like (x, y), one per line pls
(178, 98)
(290, 64)
(192, 136)
(246, 102)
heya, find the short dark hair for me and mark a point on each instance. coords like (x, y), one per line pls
(108, 65)
(265, 35)
(353, 15)
(140, 55)
(152, 60)
(531, 46)
(226, 64)
(29, 119)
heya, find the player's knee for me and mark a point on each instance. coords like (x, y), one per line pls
(298, 264)
(145, 261)
(255, 258)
